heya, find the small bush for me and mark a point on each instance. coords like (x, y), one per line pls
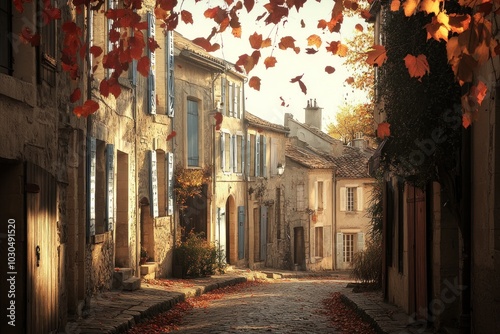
(367, 264)
(197, 257)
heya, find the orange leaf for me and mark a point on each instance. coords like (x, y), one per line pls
(377, 55)
(270, 62)
(383, 130)
(417, 66)
(349, 80)
(359, 27)
(88, 108)
(143, 66)
(249, 5)
(395, 4)
(266, 43)
(204, 43)
(255, 40)
(301, 84)
(186, 17)
(95, 50)
(410, 6)
(314, 40)
(75, 96)
(430, 6)
(254, 83)
(329, 69)
(236, 32)
(218, 120)
(286, 42)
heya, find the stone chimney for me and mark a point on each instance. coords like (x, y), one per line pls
(314, 114)
(287, 117)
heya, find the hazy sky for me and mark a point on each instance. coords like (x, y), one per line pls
(328, 89)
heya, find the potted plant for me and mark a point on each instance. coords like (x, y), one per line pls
(144, 256)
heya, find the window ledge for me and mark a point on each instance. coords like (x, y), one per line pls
(161, 119)
(100, 238)
(17, 89)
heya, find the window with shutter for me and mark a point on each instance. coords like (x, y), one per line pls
(231, 99)
(318, 241)
(230, 159)
(348, 251)
(47, 47)
(152, 68)
(169, 165)
(257, 155)
(222, 150)
(241, 232)
(153, 184)
(220, 232)
(161, 176)
(223, 83)
(91, 185)
(110, 186)
(170, 74)
(192, 133)
(237, 101)
(263, 157)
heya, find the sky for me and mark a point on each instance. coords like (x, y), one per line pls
(329, 90)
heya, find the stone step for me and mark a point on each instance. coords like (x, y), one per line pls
(131, 284)
(120, 275)
(149, 268)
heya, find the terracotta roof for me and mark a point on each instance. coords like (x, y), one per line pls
(353, 163)
(259, 122)
(307, 158)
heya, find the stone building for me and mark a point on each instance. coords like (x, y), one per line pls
(268, 242)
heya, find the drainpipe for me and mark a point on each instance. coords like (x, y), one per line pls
(214, 150)
(334, 221)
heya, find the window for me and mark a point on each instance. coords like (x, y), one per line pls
(300, 197)
(231, 98)
(319, 196)
(348, 251)
(262, 168)
(278, 213)
(350, 198)
(192, 133)
(253, 154)
(161, 182)
(318, 241)
(238, 154)
(48, 63)
(5, 37)
(274, 156)
(226, 145)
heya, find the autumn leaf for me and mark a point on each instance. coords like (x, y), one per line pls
(186, 17)
(349, 80)
(88, 108)
(329, 69)
(236, 32)
(28, 37)
(359, 27)
(314, 40)
(286, 42)
(311, 51)
(409, 6)
(377, 55)
(143, 66)
(383, 130)
(218, 120)
(270, 62)
(152, 44)
(395, 5)
(437, 30)
(256, 41)
(95, 50)
(75, 96)
(301, 84)
(205, 44)
(430, 6)
(171, 135)
(417, 66)
(254, 83)
(266, 43)
(249, 5)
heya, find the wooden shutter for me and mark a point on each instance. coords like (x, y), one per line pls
(91, 185)
(359, 198)
(361, 241)
(343, 202)
(242, 155)
(153, 177)
(169, 165)
(241, 232)
(232, 149)
(223, 96)
(327, 241)
(220, 231)
(152, 73)
(249, 156)
(263, 232)
(340, 249)
(257, 155)
(315, 195)
(170, 74)
(110, 186)
(192, 133)
(264, 156)
(222, 150)
(231, 99)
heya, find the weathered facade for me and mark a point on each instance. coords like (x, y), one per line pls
(268, 231)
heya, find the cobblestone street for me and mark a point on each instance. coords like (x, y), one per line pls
(276, 306)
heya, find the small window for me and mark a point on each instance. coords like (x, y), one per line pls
(48, 63)
(348, 251)
(193, 134)
(318, 241)
(320, 195)
(351, 194)
(5, 37)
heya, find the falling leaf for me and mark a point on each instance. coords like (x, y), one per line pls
(254, 83)
(28, 37)
(75, 96)
(286, 42)
(218, 120)
(95, 50)
(314, 40)
(302, 24)
(417, 66)
(152, 44)
(430, 6)
(311, 51)
(410, 6)
(249, 5)
(256, 41)
(349, 80)
(329, 69)
(143, 66)
(205, 44)
(186, 17)
(171, 135)
(359, 27)
(395, 5)
(270, 62)
(377, 55)
(302, 86)
(88, 108)
(266, 43)
(383, 130)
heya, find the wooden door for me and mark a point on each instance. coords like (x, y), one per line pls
(41, 251)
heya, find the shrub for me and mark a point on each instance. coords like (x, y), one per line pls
(197, 257)
(367, 264)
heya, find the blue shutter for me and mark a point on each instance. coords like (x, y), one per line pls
(340, 250)
(237, 106)
(249, 157)
(153, 177)
(241, 105)
(152, 60)
(169, 165)
(223, 95)
(232, 153)
(263, 232)
(242, 155)
(133, 72)
(257, 155)
(91, 184)
(241, 232)
(111, 5)
(170, 74)
(192, 133)
(264, 157)
(222, 151)
(231, 99)
(110, 186)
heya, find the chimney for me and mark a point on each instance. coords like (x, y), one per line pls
(314, 114)
(287, 117)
